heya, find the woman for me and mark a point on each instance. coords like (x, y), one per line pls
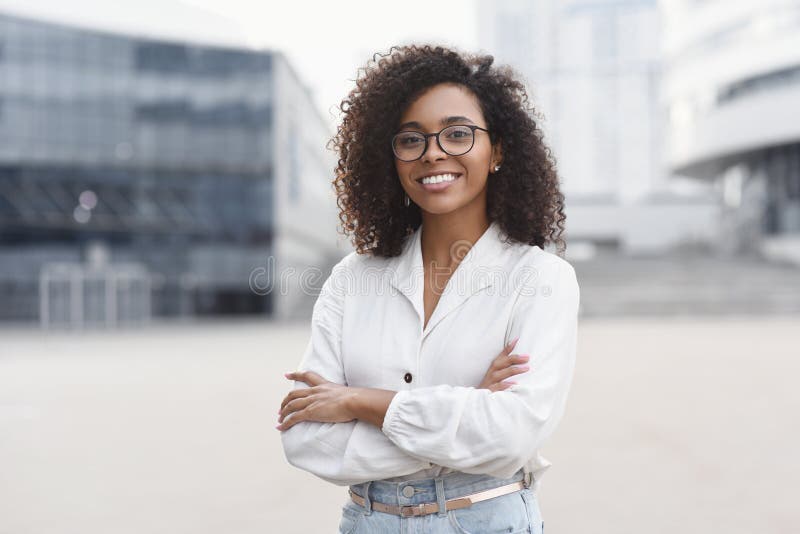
(402, 392)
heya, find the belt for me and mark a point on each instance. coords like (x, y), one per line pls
(433, 507)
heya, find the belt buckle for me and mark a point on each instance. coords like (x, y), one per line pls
(412, 510)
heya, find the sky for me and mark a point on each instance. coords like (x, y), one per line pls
(325, 41)
(329, 41)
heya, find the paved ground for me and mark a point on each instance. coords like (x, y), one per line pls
(674, 425)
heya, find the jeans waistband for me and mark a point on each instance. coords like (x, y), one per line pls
(425, 490)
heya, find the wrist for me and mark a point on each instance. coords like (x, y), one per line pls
(355, 402)
(370, 404)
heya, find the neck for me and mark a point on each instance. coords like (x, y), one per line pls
(443, 235)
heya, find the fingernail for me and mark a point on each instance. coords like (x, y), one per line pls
(525, 356)
(278, 426)
(514, 341)
(525, 368)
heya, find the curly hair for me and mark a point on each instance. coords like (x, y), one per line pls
(523, 197)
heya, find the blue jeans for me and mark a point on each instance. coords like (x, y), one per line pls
(515, 512)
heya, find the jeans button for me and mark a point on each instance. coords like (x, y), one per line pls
(408, 491)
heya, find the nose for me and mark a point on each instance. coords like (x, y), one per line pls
(433, 151)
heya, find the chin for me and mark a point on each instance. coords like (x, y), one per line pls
(441, 207)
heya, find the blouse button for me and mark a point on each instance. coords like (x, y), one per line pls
(407, 378)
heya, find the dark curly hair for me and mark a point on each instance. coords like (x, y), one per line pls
(524, 197)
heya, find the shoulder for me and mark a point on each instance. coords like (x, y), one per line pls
(345, 263)
(355, 263)
(339, 278)
(538, 271)
(350, 273)
(533, 257)
(360, 264)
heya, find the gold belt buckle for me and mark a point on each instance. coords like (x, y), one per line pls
(412, 510)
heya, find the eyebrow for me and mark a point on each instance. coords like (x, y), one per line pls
(445, 121)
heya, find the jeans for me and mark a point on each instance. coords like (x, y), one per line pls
(515, 512)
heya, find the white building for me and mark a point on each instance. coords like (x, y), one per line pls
(593, 70)
(733, 89)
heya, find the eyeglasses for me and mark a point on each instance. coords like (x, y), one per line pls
(455, 140)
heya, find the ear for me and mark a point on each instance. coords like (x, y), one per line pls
(497, 154)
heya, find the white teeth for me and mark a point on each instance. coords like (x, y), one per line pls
(439, 178)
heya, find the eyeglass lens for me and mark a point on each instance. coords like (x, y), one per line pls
(455, 140)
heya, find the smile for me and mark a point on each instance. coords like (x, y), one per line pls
(438, 182)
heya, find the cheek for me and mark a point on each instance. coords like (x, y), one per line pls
(478, 165)
(403, 170)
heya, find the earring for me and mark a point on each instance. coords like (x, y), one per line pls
(407, 201)
(496, 168)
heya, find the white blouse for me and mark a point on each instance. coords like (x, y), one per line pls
(367, 331)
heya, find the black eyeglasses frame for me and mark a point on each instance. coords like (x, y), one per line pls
(438, 141)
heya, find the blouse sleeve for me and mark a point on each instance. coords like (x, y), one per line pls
(340, 453)
(483, 432)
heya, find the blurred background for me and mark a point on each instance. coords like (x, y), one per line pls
(166, 212)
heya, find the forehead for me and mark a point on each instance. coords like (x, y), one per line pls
(440, 101)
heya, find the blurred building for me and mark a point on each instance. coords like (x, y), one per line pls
(593, 70)
(198, 170)
(733, 89)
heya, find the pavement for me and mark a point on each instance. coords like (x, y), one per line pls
(679, 424)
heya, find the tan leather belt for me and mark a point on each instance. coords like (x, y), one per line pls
(432, 507)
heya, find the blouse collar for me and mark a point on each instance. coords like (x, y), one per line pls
(479, 268)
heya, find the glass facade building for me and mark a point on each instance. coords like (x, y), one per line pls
(161, 153)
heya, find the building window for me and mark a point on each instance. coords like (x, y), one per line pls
(162, 57)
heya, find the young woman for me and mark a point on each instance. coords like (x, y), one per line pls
(402, 393)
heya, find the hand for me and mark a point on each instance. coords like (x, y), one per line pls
(504, 366)
(324, 401)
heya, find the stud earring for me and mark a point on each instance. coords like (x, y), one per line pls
(496, 168)
(407, 201)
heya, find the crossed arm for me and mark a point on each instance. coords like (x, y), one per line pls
(342, 403)
(387, 433)
(334, 403)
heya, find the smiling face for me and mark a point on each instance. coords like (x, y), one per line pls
(440, 106)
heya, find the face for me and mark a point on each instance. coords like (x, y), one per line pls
(440, 106)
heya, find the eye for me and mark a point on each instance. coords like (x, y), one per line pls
(458, 132)
(408, 139)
